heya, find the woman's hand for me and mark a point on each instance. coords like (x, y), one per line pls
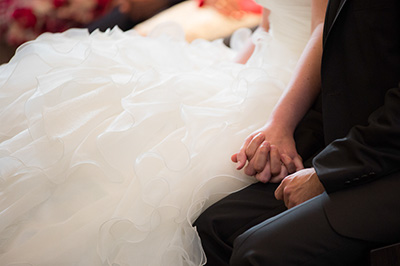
(273, 145)
(271, 155)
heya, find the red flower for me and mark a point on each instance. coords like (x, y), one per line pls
(59, 3)
(25, 17)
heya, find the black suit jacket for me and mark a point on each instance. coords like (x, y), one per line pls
(360, 163)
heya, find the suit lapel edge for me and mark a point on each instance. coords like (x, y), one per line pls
(342, 3)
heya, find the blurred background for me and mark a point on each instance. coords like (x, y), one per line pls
(24, 20)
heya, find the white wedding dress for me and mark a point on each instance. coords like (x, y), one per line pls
(112, 144)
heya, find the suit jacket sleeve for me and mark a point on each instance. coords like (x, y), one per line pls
(367, 152)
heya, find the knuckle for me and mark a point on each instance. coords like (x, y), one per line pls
(287, 192)
(248, 170)
(247, 150)
(276, 170)
(250, 152)
(264, 148)
(262, 177)
(257, 168)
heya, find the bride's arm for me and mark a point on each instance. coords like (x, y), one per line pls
(275, 139)
(248, 48)
(305, 84)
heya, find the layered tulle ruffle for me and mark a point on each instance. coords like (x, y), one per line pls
(112, 144)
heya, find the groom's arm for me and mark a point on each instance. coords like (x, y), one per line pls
(367, 152)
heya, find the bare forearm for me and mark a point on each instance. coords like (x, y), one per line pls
(304, 86)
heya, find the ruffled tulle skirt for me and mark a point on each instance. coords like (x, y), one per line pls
(112, 144)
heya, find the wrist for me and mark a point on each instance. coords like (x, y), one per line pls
(280, 127)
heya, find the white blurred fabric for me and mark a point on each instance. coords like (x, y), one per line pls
(112, 144)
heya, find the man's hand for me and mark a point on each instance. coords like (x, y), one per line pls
(299, 187)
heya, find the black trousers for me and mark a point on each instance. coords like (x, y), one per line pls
(251, 227)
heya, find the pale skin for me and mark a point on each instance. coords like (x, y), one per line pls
(269, 153)
(226, 7)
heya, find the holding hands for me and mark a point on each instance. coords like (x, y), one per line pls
(269, 154)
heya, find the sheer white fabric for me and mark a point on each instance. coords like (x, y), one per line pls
(112, 144)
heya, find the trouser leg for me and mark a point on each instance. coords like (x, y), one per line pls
(299, 236)
(222, 222)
